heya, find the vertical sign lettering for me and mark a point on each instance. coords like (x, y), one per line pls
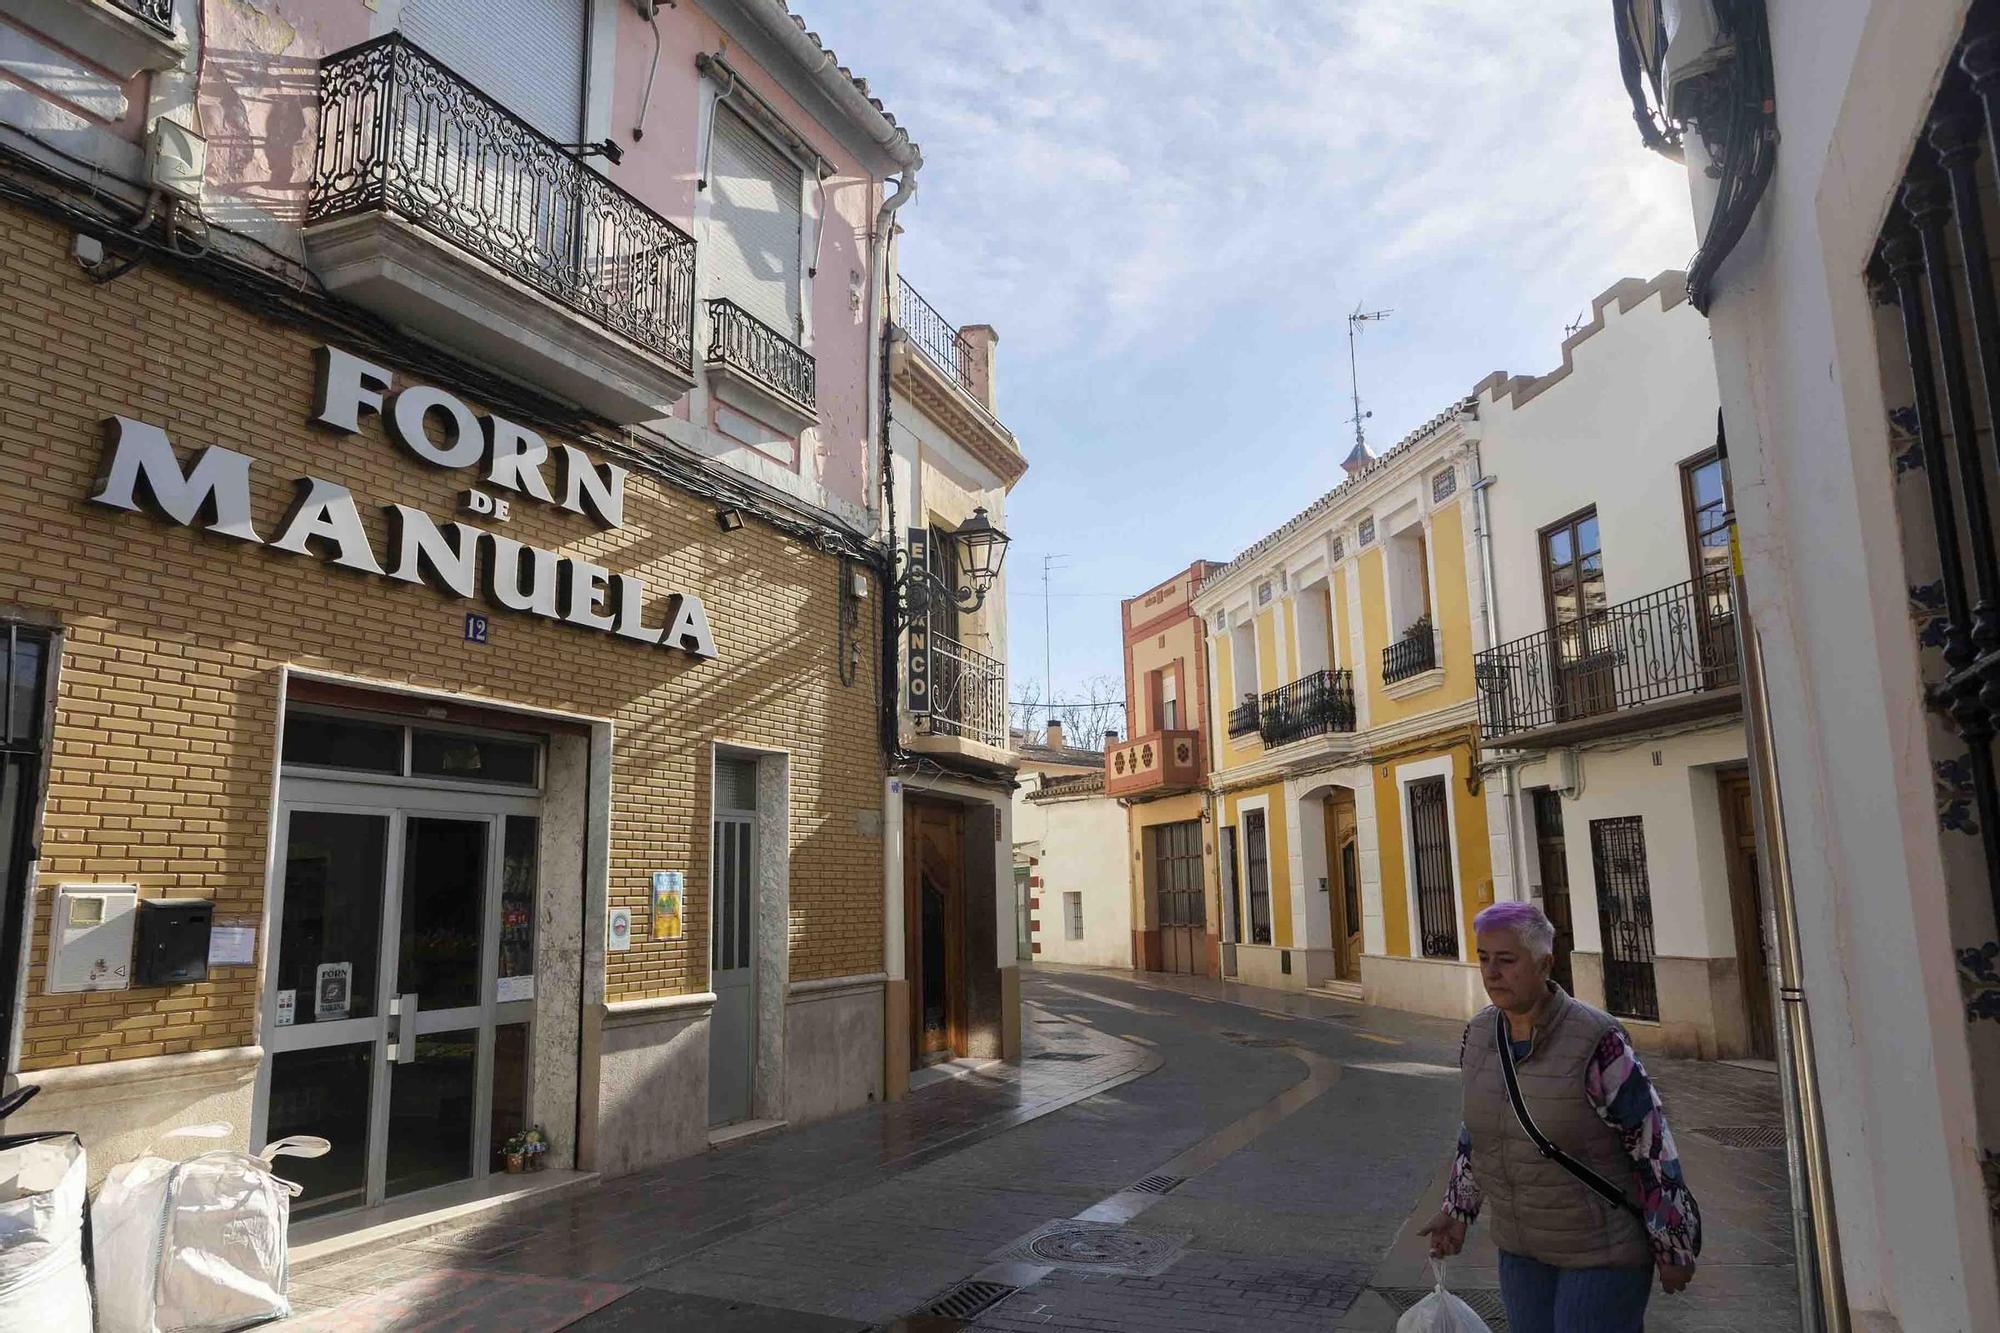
(917, 686)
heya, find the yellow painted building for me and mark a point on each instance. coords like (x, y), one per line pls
(1352, 841)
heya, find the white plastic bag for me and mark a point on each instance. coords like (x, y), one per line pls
(196, 1245)
(43, 1286)
(1440, 1312)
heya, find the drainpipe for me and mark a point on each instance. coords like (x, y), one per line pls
(878, 320)
(1489, 606)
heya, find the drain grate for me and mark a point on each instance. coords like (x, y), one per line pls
(968, 1299)
(1245, 1039)
(1096, 1247)
(1485, 1304)
(1159, 1183)
(1065, 1055)
(1744, 1136)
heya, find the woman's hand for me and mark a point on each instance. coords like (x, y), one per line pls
(1447, 1235)
(1675, 1277)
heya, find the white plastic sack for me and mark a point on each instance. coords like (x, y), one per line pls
(1440, 1312)
(43, 1286)
(195, 1246)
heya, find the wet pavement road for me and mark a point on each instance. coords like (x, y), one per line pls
(1218, 1158)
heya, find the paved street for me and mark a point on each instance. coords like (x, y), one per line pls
(1293, 1143)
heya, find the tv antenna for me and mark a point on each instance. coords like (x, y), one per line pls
(1354, 323)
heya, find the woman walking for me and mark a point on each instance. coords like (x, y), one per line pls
(1565, 1144)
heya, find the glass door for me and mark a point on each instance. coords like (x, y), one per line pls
(398, 1009)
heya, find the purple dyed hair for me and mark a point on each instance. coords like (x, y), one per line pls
(1529, 924)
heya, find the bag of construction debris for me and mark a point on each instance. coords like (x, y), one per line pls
(195, 1246)
(1440, 1312)
(44, 1287)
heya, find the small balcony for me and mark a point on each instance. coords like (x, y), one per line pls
(1669, 656)
(1315, 705)
(947, 373)
(438, 208)
(124, 37)
(968, 702)
(753, 367)
(1413, 655)
(1247, 718)
(1161, 764)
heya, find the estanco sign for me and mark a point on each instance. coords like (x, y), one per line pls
(142, 473)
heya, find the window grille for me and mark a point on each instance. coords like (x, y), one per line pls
(1430, 843)
(1257, 871)
(1072, 916)
(1365, 534)
(1444, 485)
(1625, 916)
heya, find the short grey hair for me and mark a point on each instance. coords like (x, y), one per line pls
(1528, 922)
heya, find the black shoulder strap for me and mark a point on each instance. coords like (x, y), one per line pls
(1543, 1145)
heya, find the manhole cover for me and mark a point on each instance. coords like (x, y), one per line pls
(1158, 1184)
(1744, 1136)
(1097, 1247)
(1065, 1055)
(968, 1299)
(1485, 1304)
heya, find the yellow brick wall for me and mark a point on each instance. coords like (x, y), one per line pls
(173, 640)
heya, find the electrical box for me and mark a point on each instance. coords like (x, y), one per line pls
(176, 159)
(172, 947)
(92, 937)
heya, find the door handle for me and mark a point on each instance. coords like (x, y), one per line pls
(402, 1049)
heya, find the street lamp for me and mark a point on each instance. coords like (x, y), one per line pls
(981, 549)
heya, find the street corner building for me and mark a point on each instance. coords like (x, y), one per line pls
(445, 616)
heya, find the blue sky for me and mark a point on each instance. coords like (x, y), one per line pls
(1167, 208)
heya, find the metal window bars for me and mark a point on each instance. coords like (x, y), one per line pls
(1312, 705)
(399, 132)
(1430, 844)
(968, 693)
(934, 335)
(159, 13)
(1412, 655)
(1676, 641)
(1246, 718)
(739, 339)
(1625, 916)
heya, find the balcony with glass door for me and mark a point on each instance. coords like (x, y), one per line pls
(1320, 703)
(438, 207)
(1669, 656)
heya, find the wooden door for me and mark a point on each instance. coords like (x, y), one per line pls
(1739, 836)
(934, 928)
(1344, 855)
(1552, 857)
(1173, 853)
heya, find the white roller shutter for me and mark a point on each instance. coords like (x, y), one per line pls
(527, 55)
(754, 224)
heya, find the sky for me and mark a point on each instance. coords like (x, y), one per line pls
(1167, 208)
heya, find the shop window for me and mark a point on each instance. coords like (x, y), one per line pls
(517, 909)
(25, 655)
(511, 1065)
(338, 742)
(468, 758)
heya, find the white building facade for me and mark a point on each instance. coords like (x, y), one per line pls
(1611, 711)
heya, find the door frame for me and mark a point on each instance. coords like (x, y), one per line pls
(753, 984)
(915, 812)
(397, 802)
(1746, 911)
(1342, 832)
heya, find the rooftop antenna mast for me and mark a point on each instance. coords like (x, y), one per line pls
(1354, 323)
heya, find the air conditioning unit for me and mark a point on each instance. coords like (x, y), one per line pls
(176, 160)
(1696, 48)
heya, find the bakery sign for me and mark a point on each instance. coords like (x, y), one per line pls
(141, 472)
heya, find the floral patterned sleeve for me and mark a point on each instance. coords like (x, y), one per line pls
(1617, 1087)
(1461, 1193)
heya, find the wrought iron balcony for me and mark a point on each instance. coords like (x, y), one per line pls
(1413, 654)
(968, 694)
(1154, 765)
(159, 13)
(1246, 718)
(1672, 645)
(399, 133)
(743, 343)
(1310, 706)
(934, 335)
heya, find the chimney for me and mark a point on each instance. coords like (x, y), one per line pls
(980, 341)
(1054, 739)
(1110, 738)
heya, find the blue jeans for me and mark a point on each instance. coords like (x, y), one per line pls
(1544, 1299)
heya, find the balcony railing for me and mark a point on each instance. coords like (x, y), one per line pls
(400, 133)
(968, 693)
(1674, 642)
(1247, 718)
(1310, 706)
(159, 13)
(934, 335)
(1412, 655)
(739, 339)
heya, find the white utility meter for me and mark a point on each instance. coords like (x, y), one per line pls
(93, 937)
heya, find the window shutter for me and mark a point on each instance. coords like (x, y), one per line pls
(527, 55)
(755, 223)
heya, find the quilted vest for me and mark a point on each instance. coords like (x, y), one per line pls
(1536, 1208)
